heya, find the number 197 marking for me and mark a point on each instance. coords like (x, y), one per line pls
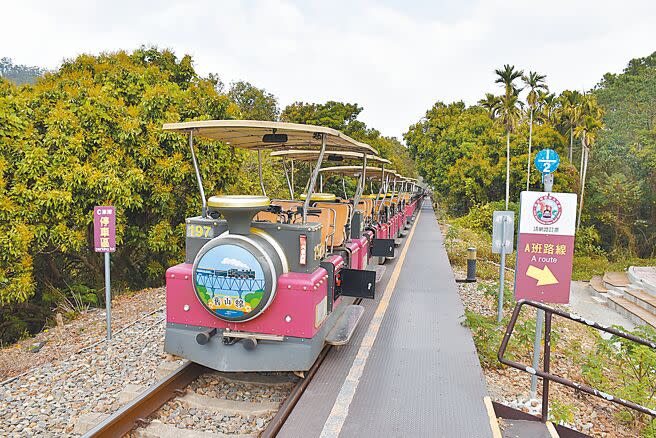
(199, 231)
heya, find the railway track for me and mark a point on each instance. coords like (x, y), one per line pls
(139, 417)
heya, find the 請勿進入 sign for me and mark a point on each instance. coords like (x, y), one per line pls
(545, 246)
(104, 228)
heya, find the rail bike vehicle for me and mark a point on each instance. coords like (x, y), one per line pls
(391, 209)
(267, 283)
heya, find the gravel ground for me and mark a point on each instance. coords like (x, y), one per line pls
(59, 343)
(175, 414)
(48, 398)
(215, 386)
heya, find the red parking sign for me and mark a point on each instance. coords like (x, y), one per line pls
(104, 228)
(545, 247)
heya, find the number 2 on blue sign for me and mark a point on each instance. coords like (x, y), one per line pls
(547, 167)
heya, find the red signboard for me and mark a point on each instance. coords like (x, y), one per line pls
(545, 247)
(104, 228)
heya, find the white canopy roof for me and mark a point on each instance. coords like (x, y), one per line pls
(249, 134)
(356, 171)
(305, 155)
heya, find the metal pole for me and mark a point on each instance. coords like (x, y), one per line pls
(292, 174)
(547, 361)
(321, 182)
(344, 188)
(361, 185)
(536, 351)
(108, 298)
(502, 271)
(289, 184)
(199, 180)
(313, 178)
(259, 170)
(547, 180)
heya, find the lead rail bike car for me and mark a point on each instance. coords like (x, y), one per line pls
(266, 284)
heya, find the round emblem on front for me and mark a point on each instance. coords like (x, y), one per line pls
(230, 282)
(547, 210)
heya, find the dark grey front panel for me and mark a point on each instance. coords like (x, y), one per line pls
(287, 236)
(198, 232)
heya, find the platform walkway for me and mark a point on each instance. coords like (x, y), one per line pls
(411, 369)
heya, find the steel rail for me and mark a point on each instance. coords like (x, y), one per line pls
(154, 397)
(288, 405)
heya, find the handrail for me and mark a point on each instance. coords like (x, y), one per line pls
(546, 375)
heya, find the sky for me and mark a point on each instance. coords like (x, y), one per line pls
(395, 58)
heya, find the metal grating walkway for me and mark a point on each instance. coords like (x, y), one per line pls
(421, 377)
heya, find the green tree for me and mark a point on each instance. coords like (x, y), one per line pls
(570, 111)
(19, 74)
(254, 103)
(90, 134)
(508, 110)
(587, 131)
(535, 83)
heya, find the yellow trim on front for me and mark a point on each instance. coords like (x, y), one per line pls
(320, 197)
(238, 201)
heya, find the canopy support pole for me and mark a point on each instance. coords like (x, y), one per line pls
(384, 183)
(380, 189)
(259, 170)
(313, 179)
(289, 184)
(344, 188)
(199, 179)
(361, 185)
(292, 172)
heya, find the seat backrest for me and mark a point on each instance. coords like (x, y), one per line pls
(326, 218)
(266, 216)
(363, 206)
(342, 216)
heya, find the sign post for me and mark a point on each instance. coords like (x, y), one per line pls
(545, 248)
(503, 231)
(104, 238)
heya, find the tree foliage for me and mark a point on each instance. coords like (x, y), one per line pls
(623, 180)
(19, 74)
(90, 134)
(460, 151)
(254, 103)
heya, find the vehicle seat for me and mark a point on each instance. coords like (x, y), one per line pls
(326, 218)
(342, 216)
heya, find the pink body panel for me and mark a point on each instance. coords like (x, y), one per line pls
(298, 295)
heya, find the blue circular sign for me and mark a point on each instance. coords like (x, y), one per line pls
(547, 161)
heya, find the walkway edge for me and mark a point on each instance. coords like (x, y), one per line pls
(494, 422)
(339, 412)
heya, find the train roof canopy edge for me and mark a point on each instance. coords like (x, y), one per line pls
(259, 134)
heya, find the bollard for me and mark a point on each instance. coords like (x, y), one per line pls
(471, 264)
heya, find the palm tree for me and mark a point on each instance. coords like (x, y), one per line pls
(547, 107)
(571, 112)
(535, 82)
(491, 104)
(587, 130)
(508, 110)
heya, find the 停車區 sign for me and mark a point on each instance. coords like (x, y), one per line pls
(104, 228)
(545, 246)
